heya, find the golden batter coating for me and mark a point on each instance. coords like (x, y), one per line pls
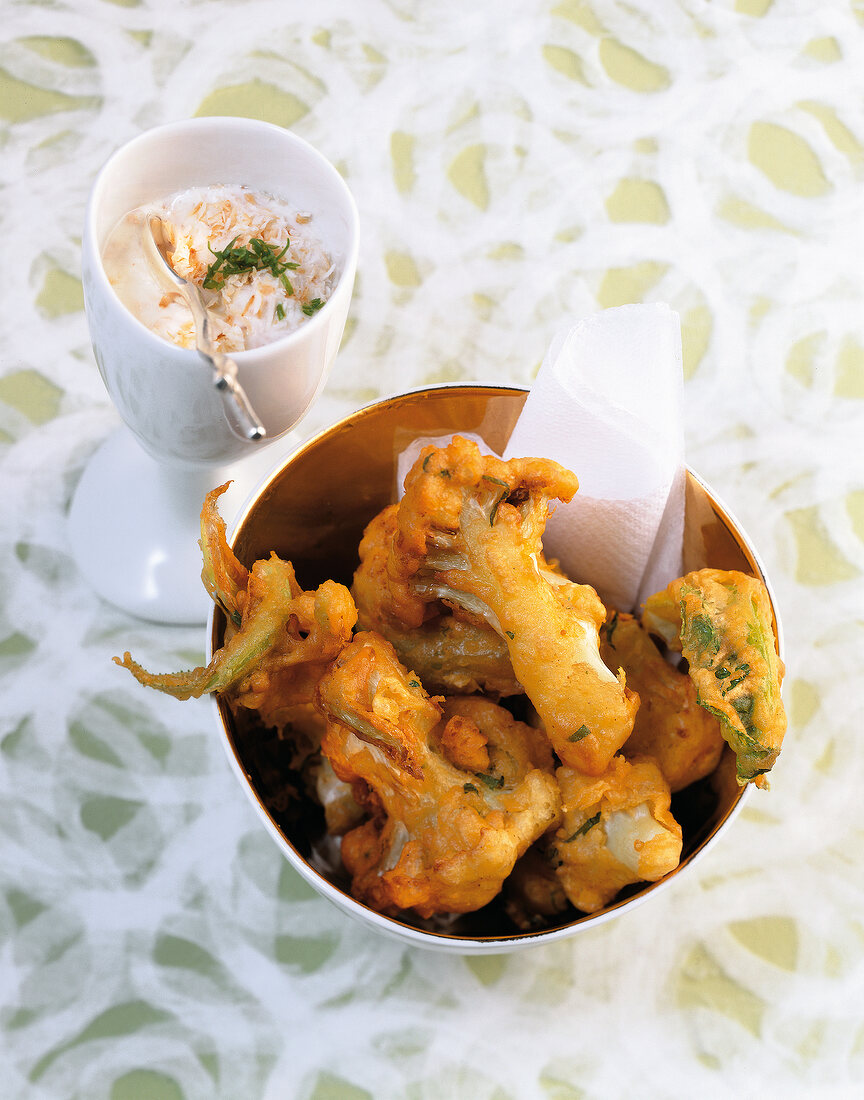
(617, 830)
(511, 747)
(721, 621)
(670, 726)
(445, 838)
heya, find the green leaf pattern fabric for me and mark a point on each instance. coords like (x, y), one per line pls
(514, 164)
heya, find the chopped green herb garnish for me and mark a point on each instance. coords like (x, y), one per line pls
(280, 311)
(584, 827)
(510, 634)
(444, 473)
(413, 683)
(426, 460)
(610, 628)
(236, 618)
(312, 307)
(497, 481)
(257, 255)
(721, 673)
(469, 788)
(583, 731)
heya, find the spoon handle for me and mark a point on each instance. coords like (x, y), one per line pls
(242, 419)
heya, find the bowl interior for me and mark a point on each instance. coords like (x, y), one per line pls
(312, 511)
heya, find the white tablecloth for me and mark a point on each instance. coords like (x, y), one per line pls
(514, 164)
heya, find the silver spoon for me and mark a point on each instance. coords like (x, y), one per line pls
(241, 417)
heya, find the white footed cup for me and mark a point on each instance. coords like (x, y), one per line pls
(133, 518)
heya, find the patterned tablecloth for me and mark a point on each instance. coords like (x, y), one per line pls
(514, 163)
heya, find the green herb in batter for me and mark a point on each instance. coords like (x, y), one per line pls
(497, 503)
(584, 828)
(493, 782)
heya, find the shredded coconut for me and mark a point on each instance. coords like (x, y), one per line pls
(247, 309)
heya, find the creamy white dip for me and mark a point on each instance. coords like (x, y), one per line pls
(257, 292)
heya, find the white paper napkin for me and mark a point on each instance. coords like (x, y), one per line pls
(607, 405)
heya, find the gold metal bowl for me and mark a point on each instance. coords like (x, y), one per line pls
(312, 510)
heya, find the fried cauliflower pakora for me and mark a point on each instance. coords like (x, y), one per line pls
(449, 651)
(670, 726)
(469, 531)
(441, 838)
(442, 800)
(281, 638)
(617, 830)
(720, 620)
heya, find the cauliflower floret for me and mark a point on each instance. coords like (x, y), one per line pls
(617, 829)
(469, 532)
(721, 621)
(444, 838)
(342, 810)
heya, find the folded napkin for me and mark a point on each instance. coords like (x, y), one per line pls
(606, 404)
